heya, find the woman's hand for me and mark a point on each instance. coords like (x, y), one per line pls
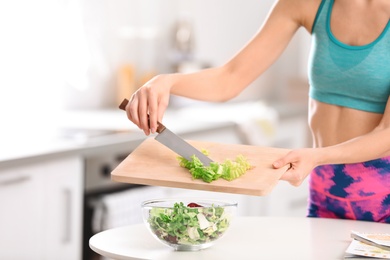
(151, 99)
(301, 162)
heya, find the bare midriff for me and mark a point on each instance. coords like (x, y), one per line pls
(332, 124)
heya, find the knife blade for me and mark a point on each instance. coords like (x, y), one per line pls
(175, 142)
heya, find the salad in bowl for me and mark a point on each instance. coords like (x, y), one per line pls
(190, 224)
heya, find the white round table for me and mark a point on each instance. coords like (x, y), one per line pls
(247, 238)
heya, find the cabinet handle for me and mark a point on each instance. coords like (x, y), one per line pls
(15, 181)
(67, 216)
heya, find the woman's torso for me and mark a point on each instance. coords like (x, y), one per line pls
(332, 124)
(354, 23)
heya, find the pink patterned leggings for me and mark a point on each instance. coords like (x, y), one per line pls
(359, 191)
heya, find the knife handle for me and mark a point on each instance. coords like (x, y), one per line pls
(160, 126)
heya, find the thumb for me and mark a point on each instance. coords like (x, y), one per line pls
(281, 162)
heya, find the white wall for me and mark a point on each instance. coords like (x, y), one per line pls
(65, 54)
(223, 27)
(31, 58)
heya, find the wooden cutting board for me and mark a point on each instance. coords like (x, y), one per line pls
(151, 163)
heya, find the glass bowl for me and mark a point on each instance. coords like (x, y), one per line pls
(188, 224)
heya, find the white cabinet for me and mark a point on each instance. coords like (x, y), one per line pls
(22, 214)
(41, 210)
(63, 207)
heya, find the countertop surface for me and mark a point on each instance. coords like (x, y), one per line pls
(247, 238)
(87, 132)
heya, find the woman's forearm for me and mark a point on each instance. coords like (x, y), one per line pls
(364, 148)
(302, 161)
(214, 84)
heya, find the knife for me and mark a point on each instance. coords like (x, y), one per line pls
(174, 142)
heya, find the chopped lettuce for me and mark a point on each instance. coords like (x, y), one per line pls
(186, 225)
(228, 170)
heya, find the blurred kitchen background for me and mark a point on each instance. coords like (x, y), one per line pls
(65, 65)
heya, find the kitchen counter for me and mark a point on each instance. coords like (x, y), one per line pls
(93, 132)
(86, 141)
(248, 238)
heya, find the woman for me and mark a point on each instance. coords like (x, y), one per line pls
(349, 108)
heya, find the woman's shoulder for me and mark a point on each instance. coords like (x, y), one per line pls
(385, 4)
(303, 11)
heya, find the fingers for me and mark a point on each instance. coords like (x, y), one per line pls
(147, 106)
(281, 162)
(132, 110)
(153, 112)
(292, 176)
(136, 111)
(143, 108)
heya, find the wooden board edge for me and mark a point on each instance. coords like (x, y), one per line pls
(195, 186)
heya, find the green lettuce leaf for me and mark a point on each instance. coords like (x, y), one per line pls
(228, 170)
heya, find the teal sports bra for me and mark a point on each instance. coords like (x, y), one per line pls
(357, 77)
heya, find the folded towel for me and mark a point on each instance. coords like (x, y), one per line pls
(122, 208)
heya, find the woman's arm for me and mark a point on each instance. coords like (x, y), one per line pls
(367, 147)
(225, 82)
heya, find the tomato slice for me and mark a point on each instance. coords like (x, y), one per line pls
(194, 205)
